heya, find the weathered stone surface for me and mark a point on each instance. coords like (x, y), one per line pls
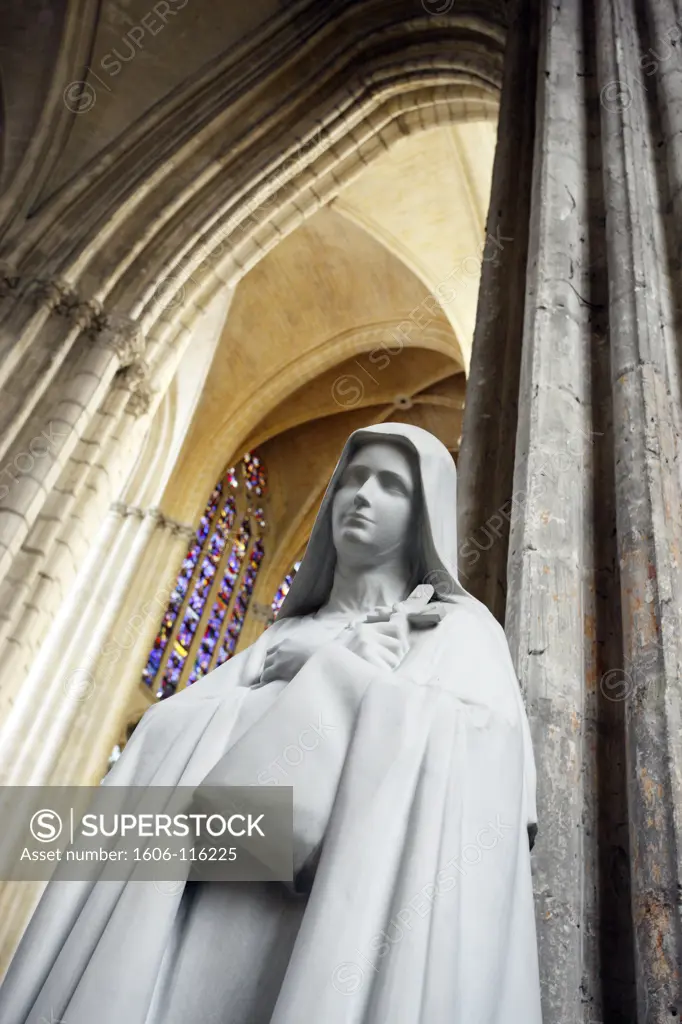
(594, 602)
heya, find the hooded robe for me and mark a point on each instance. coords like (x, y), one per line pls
(412, 899)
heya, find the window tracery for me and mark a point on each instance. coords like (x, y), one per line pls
(201, 626)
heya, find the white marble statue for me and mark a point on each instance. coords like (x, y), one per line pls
(412, 901)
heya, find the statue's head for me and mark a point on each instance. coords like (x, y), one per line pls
(403, 482)
(374, 506)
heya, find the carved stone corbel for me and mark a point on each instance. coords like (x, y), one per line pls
(56, 294)
(121, 334)
(140, 402)
(135, 375)
(64, 301)
(86, 314)
(180, 529)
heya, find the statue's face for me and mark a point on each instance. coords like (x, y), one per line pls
(372, 506)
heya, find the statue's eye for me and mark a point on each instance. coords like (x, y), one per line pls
(356, 475)
(391, 482)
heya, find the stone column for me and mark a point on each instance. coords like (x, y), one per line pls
(72, 491)
(78, 676)
(45, 571)
(594, 603)
(119, 669)
(87, 746)
(66, 410)
(42, 349)
(66, 683)
(540, 376)
(32, 694)
(646, 410)
(486, 456)
(550, 544)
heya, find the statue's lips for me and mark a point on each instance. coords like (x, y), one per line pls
(354, 519)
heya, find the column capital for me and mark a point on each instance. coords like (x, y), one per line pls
(122, 334)
(121, 508)
(54, 292)
(135, 374)
(63, 300)
(140, 402)
(184, 530)
(136, 378)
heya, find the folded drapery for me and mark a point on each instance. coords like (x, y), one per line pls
(313, 716)
(412, 793)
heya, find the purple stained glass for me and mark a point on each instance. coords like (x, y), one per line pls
(179, 592)
(241, 604)
(197, 576)
(176, 660)
(284, 588)
(254, 474)
(219, 610)
(195, 606)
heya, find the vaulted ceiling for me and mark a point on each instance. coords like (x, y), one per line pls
(336, 328)
(140, 129)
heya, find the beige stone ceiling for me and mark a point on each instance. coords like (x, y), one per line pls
(358, 383)
(426, 200)
(142, 51)
(328, 294)
(312, 347)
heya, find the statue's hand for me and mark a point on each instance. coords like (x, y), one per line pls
(285, 658)
(383, 644)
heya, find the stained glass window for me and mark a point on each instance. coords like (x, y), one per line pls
(255, 474)
(241, 604)
(214, 584)
(179, 592)
(219, 610)
(284, 588)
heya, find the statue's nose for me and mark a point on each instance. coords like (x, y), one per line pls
(362, 496)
